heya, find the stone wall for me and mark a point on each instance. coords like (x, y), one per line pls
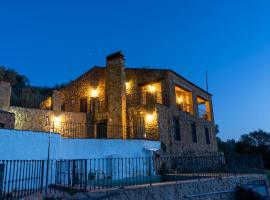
(83, 87)
(7, 120)
(185, 144)
(35, 119)
(206, 189)
(5, 93)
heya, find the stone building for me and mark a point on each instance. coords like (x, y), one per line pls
(118, 102)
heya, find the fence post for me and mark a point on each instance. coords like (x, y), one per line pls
(42, 175)
(47, 177)
(234, 166)
(85, 175)
(197, 166)
(150, 173)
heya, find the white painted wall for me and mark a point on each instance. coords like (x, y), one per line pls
(19, 145)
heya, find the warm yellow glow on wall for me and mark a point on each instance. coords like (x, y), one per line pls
(127, 84)
(94, 93)
(57, 121)
(180, 99)
(149, 118)
(151, 88)
(129, 87)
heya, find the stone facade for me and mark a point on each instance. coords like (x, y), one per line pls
(7, 120)
(127, 103)
(205, 189)
(36, 119)
(5, 93)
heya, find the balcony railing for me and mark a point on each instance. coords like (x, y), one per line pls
(185, 107)
(204, 114)
(102, 130)
(151, 98)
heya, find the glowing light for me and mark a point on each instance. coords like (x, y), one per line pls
(180, 100)
(149, 118)
(151, 88)
(94, 93)
(127, 84)
(57, 121)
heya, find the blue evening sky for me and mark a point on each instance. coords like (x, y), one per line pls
(54, 41)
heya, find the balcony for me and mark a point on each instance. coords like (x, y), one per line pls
(204, 114)
(204, 110)
(183, 99)
(185, 107)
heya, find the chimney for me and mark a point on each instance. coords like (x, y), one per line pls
(115, 89)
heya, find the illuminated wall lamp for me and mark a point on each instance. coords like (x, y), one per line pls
(149, 118)
(180, 100)
(151, 88)
(94, 93)
(57, 121)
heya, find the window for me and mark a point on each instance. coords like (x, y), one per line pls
(151, 94)
(194, 133)
(83, 105)
(176, 129)
(2, 125)
(183, 99)
(207, 137)
(63, 107)
(204, 109)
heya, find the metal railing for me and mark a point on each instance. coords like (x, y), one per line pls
(103, 130)
(185, 107)
(204, 114)
(20, 178)
(151, 98)
(31, 98)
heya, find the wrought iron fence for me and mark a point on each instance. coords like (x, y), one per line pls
(31, 98)
(20, 178)
(102, 130)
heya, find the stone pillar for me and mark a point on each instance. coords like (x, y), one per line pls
(56, 100)
(209, 108)
(195, 104)
(5, 95)
(115, 90)
(168, 91)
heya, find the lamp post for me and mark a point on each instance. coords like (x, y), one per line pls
(48, 123)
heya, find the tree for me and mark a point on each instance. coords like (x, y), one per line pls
(15, 79)
(256, 142)
(227, 147)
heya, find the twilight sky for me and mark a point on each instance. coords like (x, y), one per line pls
(54, 41)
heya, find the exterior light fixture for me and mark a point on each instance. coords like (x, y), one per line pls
(57, 121)
(149, 118)
(180, 99)
(151, 88)
(94, 93)
(127, 84)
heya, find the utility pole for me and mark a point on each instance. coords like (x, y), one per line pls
(48, 123)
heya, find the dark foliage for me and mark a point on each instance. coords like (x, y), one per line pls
(256, 142)
(19, 81)
(15, 79)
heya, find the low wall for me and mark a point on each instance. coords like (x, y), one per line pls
(30, 145)
(206, 189)
(7, 120)
(35, 119)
